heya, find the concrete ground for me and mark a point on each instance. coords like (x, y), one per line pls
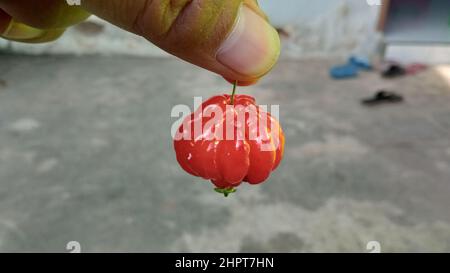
(86, 155)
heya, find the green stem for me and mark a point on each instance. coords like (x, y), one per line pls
(225, 191)
(234, 92)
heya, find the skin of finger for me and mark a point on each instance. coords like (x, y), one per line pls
(5, 20)
(192, 30)
(194, 38)
(199, 30)
(242, 83)
(253, 4)
(44, 14)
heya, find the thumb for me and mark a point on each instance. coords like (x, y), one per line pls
(232, 38)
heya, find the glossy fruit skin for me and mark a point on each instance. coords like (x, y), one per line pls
(230, 161)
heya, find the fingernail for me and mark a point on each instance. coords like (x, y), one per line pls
(242, 83)
(19, 31)
(253, 46)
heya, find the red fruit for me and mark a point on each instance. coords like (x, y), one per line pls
(234, 141)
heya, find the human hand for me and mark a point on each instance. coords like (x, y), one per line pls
(230, 37)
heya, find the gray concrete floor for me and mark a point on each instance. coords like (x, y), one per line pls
(86, 155)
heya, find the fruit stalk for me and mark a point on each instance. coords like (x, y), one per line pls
(233, 93)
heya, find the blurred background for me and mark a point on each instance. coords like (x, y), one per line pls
(86, 153)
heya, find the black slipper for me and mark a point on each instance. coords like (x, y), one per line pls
(393, 71)
(382, 97)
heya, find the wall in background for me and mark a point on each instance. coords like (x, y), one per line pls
(312, 28)
(324, 27)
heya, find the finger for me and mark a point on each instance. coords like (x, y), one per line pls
(15, 31)
(37, 21)
(44, 14)
(23, 33)
(242, 83)
(47, 36)
(5, 19)
(231, 38)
